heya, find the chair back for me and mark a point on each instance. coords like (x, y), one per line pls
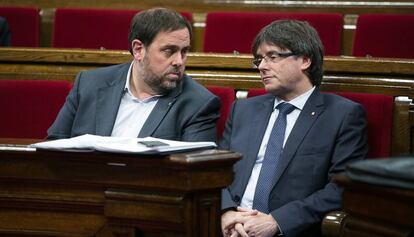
(30, 106)
(384, 35)
(226, 95)
(94, 28)
(227, 32)
(24, 25)
(379, 113)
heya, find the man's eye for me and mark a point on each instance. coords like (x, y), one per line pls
(273, 57)
(168, 52)
(184, 52)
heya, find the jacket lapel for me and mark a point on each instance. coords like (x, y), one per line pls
(256, 133)
(310, 113)
(108, 101)
(164, 104)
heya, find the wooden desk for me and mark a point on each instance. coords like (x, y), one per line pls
(375, 210)
(45, 193)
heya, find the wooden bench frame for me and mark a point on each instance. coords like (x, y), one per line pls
(393, 77)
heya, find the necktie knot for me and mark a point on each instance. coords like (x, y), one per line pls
(285, 108)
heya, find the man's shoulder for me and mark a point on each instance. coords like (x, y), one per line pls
(108, 70)
(103, 76)
(255, 100)
(338, 101)
(194, 89)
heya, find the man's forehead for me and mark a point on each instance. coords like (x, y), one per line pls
(266, 47)
(174, 36)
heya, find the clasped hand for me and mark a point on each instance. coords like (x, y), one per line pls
(246, 222)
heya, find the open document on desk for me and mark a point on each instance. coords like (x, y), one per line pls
(147, 145)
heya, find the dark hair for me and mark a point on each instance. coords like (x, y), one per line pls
(145, 25)
(298, 37)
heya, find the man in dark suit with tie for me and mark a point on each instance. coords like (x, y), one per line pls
(293, 140)
(150, 96)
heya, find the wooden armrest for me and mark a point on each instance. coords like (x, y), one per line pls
(332, 223)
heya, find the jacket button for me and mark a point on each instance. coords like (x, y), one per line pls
(236, 199)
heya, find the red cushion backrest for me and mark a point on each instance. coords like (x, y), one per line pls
(226, 95)
(226, 32)
(378, 109)
(94, 28)
(188, 16)
(255, 92)
(24, 25)
(29, 107)
(384, 35)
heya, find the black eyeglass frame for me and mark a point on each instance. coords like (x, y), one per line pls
(272, 56)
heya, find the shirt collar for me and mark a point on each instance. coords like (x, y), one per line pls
(127, 89)
(299, 101)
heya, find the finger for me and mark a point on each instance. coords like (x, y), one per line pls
(239, 228)
(234, 233)
(243, 209)
(247, 211)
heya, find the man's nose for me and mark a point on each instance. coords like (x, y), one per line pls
(178, 59)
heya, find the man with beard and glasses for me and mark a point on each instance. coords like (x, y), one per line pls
(150, 96)
(294, 140)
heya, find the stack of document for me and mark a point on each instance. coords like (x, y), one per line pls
(147, 145)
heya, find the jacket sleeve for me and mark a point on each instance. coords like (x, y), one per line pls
(350, 145)
(202, 126)
(62, 126)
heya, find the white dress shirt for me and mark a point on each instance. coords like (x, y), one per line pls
(132, 112)
(298, 102)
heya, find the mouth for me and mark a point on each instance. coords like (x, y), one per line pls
(266, 79)
(173, 75)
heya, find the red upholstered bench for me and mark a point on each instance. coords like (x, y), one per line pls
(384, 35)
(379, 113)
(29, 107)
(226, 32)
(94, 28)
(24, 25)
(226, 95)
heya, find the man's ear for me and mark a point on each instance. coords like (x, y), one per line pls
(306, 62)
(138, 49)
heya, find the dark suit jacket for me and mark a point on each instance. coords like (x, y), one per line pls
(187, 113)
(4, 32)
(328, 134)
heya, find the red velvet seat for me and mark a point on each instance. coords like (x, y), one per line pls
(24, 25)
(226, 95)
(226, 32)
(378, 109)
(29, 107)
(93, 28)
(384, 35)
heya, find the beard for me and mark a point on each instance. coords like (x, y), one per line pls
(159, 84)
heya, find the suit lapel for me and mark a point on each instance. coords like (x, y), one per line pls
(160, 110)
(310, 113)
(108, 101)
(256, 133)
(164, 104)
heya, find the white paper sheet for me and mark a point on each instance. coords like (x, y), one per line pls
(120, 145)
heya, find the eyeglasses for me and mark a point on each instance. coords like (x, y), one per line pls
(273, 57)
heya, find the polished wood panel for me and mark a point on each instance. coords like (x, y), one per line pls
(393, 77)
(372, 210)
(373, 75)
(45, 193)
